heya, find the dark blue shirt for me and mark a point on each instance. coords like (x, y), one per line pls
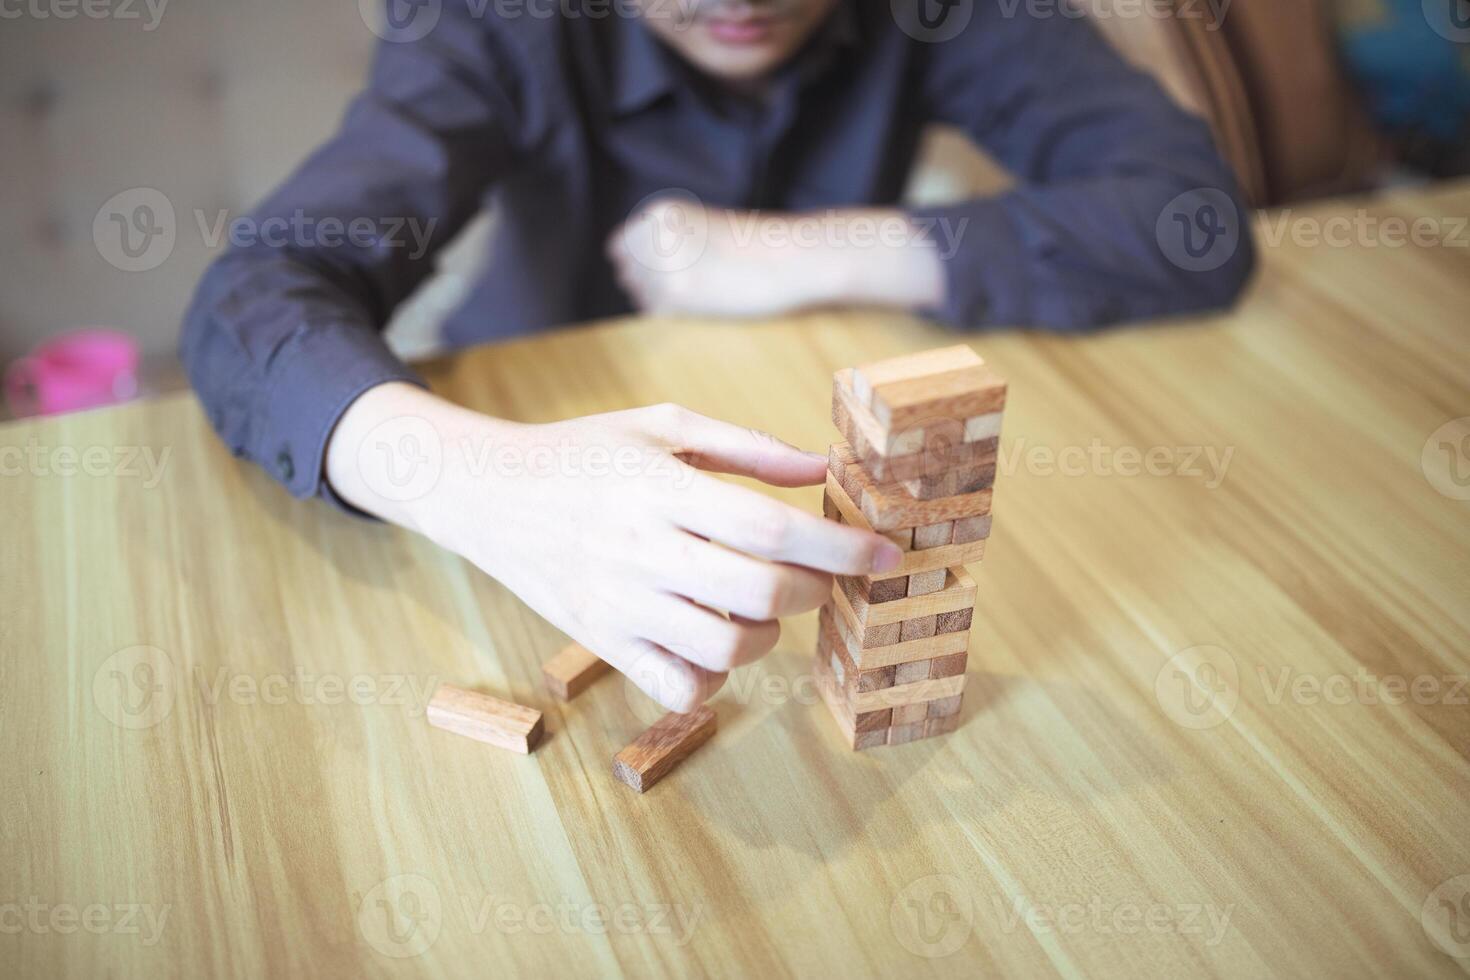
(565, 123)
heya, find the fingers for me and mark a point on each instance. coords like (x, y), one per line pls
(722, 447)
(672, 681)
(703, 636)
(747, 587)
(758, 525)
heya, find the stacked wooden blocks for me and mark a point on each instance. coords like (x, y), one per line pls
(922, 434)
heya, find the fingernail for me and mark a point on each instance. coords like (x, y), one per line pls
(888, 557)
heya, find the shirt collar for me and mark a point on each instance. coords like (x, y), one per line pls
(645, 71)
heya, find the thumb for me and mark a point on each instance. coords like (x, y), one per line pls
(722, 447)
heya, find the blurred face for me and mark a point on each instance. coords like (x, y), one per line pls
(736, 41)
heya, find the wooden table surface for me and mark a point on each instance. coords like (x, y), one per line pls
(1217, 717)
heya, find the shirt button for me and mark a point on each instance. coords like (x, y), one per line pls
(284, 464)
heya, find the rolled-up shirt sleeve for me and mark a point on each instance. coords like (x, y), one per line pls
(1123, 208)
(285, 329)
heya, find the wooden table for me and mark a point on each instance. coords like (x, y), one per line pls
(1216, 722)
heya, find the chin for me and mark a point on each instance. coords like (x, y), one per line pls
(741, 65)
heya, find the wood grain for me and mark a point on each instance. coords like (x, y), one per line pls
(284, 823)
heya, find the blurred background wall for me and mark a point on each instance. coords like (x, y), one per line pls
(199, 106)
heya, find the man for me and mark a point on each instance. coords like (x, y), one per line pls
(578, 125)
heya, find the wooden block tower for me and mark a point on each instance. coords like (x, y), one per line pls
(922, 434)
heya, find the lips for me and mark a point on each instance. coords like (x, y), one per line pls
(741, 31)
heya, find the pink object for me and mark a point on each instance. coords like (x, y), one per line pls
(73, 371)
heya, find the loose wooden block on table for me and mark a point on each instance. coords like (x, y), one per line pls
(662, 747)
(571, 671)
(888, 506)
(487, 719)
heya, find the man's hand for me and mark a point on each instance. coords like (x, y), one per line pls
(678, 256)
(611, 527)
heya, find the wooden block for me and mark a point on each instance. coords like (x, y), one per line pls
(571, 671)
(927, 583)
(934, 535)
(874, 721)
(909, 713)
(899, 734)
(951, 482)
(916, 629)
(941, 726)
(888, 506)
(914, 670)
(888, 589)
(944, 707)
(958, 593)
(504, 724)
(971, 529)
(916, 560)
(903, 537)
(952, 382)
(868, 378)
(851, 678)
(842, 714)
(949, 665)
(983, 428)
(901, 694)
(916, 451)
(897, 652)
(662, 747)
(955, 622)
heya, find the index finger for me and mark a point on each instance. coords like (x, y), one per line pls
(754, 523)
